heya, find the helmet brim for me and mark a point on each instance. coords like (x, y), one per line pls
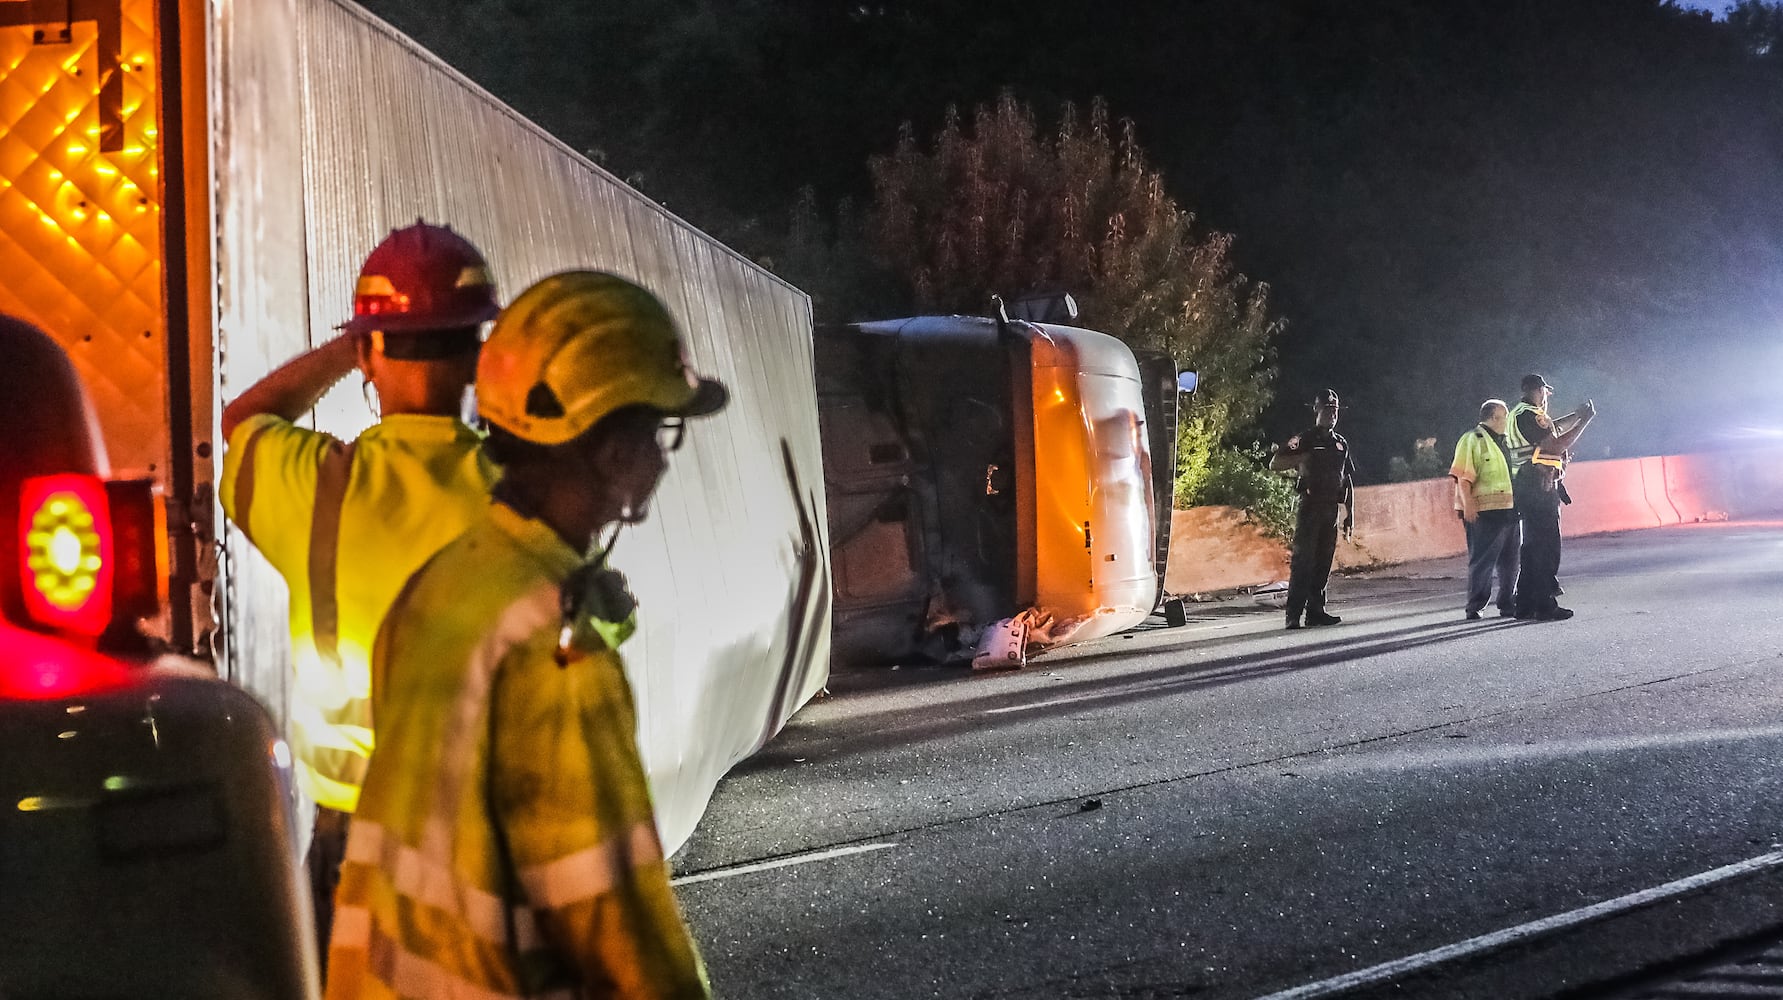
(710, 397)
(399, 323)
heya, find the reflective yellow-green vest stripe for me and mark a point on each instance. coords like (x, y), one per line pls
(1522, 452)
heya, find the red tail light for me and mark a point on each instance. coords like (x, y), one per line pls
(65, 552)
(87, 552)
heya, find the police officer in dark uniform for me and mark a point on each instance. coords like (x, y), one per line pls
(1542, 445)
(1327, 475)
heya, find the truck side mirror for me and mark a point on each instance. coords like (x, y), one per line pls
(1186, 381)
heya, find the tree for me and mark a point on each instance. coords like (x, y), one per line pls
(998, 207)
(1759, 25)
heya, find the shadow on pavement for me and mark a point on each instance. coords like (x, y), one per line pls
(1194, 642)
(913, 725)
(871, 680)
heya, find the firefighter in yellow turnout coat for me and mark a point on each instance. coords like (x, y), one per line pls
(505, 844)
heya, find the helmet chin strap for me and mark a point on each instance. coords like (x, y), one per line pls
(603, 546)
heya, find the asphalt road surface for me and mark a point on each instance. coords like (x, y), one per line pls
(1406, 804)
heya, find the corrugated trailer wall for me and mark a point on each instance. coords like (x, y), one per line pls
(322, 150)
(262, 294)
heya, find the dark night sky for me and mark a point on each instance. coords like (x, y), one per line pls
(1442, 196)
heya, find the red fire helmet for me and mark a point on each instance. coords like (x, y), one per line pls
(422, 278)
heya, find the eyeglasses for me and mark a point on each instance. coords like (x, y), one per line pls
(671, 433)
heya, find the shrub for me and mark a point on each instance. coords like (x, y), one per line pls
(1232, 477)
(1425, 463)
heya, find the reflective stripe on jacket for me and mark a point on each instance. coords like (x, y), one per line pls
(345, 525)
(1481, 465)
(505, 844)
(1522, 452)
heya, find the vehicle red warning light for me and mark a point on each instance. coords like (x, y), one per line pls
(65, 552)
(39, 668)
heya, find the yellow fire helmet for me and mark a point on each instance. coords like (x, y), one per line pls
(579, 345)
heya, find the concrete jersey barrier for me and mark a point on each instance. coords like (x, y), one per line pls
(1216, 548)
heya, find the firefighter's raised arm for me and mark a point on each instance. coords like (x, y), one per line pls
(295, 387)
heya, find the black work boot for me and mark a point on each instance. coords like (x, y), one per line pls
(1554, 614)
(1293, 622)
(1321, 618)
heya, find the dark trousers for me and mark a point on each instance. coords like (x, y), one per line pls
(328, 848)
(1539, 572)
(1494, 546)
(1315, 542)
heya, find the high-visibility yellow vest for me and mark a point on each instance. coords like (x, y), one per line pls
(1522, 452)
(505, 845)
(346, 524)
(1482, 467)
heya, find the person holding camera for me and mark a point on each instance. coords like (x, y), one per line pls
(1542, 446)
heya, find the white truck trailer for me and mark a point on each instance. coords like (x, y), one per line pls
(187, 188)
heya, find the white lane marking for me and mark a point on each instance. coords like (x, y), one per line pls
(1495, 754)
(1031, 706)
(762, 866)
(1387, 971)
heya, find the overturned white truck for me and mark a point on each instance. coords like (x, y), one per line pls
(988, 468)
(186, 191)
